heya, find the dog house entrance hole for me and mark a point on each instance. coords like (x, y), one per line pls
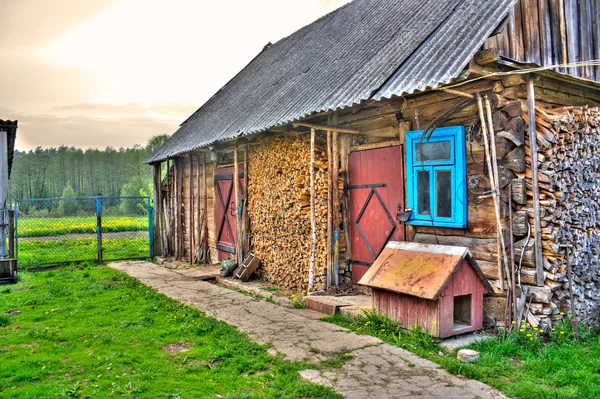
(462, 311)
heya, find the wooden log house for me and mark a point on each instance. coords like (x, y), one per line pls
(425, 121)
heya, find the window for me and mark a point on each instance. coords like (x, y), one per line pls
(436, 175)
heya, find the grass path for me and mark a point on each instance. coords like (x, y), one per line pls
(94, 332)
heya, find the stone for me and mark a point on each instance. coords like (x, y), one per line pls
(468, 355)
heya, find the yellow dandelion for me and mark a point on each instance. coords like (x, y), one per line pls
(562, 332)
(514, 322)
(562, 313)
(529, 335)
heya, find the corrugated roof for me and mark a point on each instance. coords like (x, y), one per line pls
(421, 270)
(363, 50)
(11, 128)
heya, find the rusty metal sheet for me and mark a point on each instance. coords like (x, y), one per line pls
(421, 270)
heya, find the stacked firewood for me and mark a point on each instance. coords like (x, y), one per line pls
(572, 211)
(568, 173)
(279, 186)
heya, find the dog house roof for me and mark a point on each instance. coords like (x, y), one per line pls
(421, 270)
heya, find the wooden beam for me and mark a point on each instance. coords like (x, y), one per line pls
(206, 254)
(313, 223)
(326, 128)
(372, 146)
(537, 229)
(245, 214)
(336, 206)
(239, 256)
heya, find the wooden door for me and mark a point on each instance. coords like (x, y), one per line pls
(225, 209)
(376, 192)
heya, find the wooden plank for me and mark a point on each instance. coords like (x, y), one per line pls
(539, 264)
(545, 32)
(586, 50)
(531, 38)
(595, 11)
(245, 215)
(325, 128)
(572, 28)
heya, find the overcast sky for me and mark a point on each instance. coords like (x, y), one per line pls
(97, 73)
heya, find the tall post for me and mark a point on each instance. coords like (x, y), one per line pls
(329, 213)
(313, 224)
(238, 208)
(3, 192)
(11, 234)
(99, 227)
(156, 237)
(535, 188)
(335, 171)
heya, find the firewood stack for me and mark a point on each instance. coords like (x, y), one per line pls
(568, 171)
(279, 209)
(572, 210)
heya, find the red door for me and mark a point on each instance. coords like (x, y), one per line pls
(225, 210)
(376, 192)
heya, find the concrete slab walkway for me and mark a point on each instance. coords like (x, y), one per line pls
(376, 370)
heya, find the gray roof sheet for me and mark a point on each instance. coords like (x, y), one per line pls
(367, 49)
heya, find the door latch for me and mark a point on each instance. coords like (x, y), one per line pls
(402, 214)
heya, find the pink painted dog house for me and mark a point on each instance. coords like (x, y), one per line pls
(437, 287)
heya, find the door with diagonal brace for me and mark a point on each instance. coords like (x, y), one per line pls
(376, 193)
(225, 210)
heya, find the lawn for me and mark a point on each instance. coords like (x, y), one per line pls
(48, 227)
(63, 251)
(523, 364)
(94, 332)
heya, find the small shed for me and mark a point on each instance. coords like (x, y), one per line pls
(437, 287)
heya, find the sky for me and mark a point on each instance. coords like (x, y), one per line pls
(98, 73)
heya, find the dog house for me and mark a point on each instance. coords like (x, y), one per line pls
(437, 287)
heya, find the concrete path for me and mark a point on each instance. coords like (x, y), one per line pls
(376, 370)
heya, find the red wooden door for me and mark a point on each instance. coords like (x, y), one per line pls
(225, 209)
(376, 192)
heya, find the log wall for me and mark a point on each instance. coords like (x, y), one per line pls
(553, 32)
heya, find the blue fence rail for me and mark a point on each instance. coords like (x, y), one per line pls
(51, 231)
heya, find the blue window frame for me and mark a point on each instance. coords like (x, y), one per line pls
(436, 173)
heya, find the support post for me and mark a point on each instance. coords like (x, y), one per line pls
(336, 207)
(313, 223)
(3, 192)
(329, 213)
(238, 208)
(199, 218)
(537, 229)
(206, 255)
(245, 215)
(11, 234)
(157, 236)
(99, 227)
(191, 209)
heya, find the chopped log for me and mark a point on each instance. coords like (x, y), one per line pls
(515, 160)
(520, 223)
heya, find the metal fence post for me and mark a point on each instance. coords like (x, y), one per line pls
(150, 228)
(16, 208)
(99, 227)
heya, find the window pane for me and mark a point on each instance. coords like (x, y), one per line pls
(436, 151)
(423, 206)
(443, 193)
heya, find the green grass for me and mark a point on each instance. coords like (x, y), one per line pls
(44, 227)
(63, 251)
(523, 364)
(93, 332)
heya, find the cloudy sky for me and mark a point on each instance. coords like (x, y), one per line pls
(97, 73)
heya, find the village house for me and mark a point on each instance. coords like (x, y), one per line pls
(8, 135)
(430, 121)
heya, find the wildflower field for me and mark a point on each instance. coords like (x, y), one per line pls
(50, 241)
(45, 227)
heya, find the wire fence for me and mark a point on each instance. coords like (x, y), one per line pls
(53, 231)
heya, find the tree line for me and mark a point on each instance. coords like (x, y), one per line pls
(74, 172)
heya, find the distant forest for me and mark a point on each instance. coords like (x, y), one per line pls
(73, 172)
